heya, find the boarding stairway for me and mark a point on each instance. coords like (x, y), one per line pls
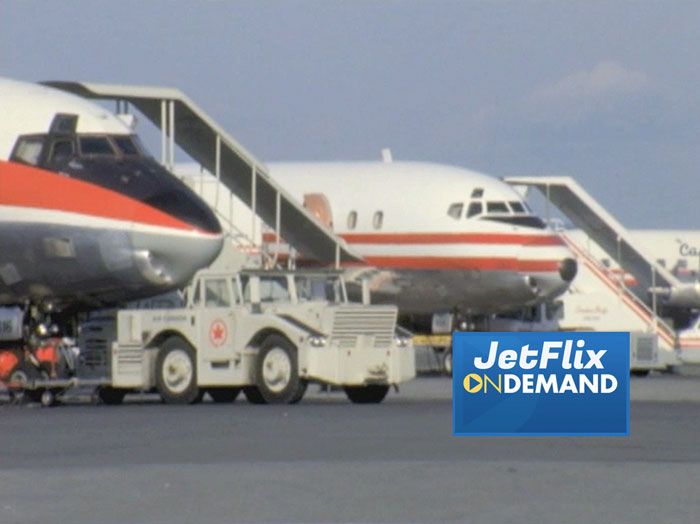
(655, 282)
(226, 208)
(613, 284)
(186, 125)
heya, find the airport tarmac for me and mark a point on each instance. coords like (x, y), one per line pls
(327, 460)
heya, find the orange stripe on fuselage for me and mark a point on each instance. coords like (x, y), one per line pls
(27, 186)
(440, 263)
(452, 238)
(443, 238)
(482, 263)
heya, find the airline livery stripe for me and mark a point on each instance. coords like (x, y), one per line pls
(31, 187)
(444, 238)
(440, 263)
(452, 238)
(29, 216)
(489, 264)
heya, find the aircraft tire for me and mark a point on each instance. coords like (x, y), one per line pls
(176, 372)
(366, 394)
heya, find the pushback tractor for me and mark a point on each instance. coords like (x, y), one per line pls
(266, 333)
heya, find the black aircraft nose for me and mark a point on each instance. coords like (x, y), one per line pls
(567, 269)
(143, 179)
(184, 204)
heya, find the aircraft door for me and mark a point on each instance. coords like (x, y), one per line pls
(320, 207)
(217, 331)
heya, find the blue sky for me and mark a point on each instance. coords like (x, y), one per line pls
(606, 92)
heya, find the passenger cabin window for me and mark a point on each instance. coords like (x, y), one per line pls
(95, 145)
(517, 207)
(352, 219)
(273, 289)
(496, 207)
(378, 220)
(477, 192)
(216, 293)
(28, 150)
(475, 208)
(455, 210)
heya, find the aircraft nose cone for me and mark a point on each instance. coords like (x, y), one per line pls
(171, 261)
(567, 269)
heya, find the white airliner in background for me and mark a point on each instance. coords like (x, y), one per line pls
(677, 250)
(434, 238)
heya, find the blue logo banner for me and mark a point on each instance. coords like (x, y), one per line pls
(559, 383)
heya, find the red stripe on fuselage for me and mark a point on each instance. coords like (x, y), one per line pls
(440, 263)
(482, 263)
(27, 186)
(443, 238)
(453, 238)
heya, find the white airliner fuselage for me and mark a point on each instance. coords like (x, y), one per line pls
(435, 238)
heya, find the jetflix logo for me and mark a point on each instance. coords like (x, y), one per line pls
(541, 383)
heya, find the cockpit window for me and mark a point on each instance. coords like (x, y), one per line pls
(28, 150)
(517, 207)
(455, 210)
(477, 192)
(496, 207)
(95, 145)
(126, 145)
(61, 150)
(475, 208)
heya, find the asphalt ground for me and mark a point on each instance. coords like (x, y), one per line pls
(326, 460)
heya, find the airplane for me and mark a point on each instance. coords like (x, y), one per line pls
(449, 246)
(442, 238)
(87, 217)
(677, 250)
